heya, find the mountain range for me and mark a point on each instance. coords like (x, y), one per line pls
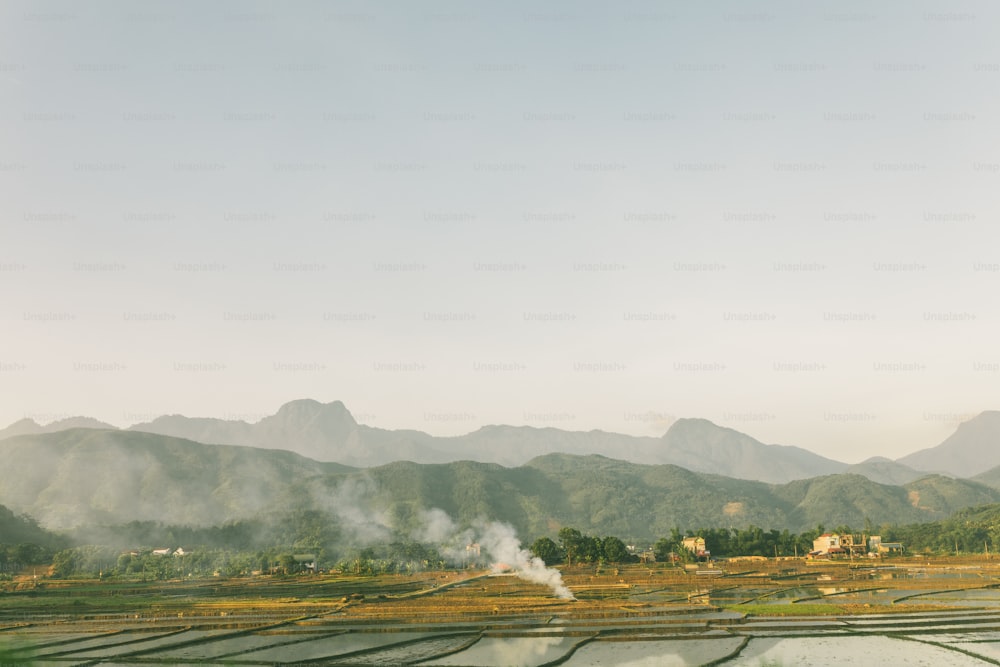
(29, 426)
(80, 477)
(328, 432)
(187, 471)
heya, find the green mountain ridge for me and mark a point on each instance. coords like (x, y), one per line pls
(80, 476)
(16, 529)
(885, 471)
(85, 477)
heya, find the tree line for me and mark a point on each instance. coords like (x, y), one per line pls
(970, 531)
(16, 557)
(245, 547)
(575, 548)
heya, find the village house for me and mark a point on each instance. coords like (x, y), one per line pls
(853, 545)
(305, 561)
(877, 547)
(832, 544)
(696, 545)
(827, 544)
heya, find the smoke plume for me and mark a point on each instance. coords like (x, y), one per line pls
(498, 540)
(353, 503)
(356, 510)
(437, 527)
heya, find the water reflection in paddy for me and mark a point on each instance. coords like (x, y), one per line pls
(735, 595)
(234, 646)
(865, 596)
(977, 597)
(669, 619)
(843, 651)
(332, 645)
(513, 651)
(655, 653)
(986, 644)
(111, 649)
(798, 593)
(414, 652)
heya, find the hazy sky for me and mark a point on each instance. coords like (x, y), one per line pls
(781, 217)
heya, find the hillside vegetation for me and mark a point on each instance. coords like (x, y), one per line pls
(91, 476)
(88, 477)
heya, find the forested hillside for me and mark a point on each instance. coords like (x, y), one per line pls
(82, 478)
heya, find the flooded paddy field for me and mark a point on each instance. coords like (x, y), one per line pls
(761, 613)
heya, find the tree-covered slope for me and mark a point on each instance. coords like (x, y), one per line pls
(19, 529)
(79, 476)
(86, 477)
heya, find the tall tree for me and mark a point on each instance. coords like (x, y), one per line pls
(570, 539)
(547, 550)
(614, 550)
(663, 548)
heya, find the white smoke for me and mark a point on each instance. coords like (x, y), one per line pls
(498, 540)
(352, 504)
(436, 527)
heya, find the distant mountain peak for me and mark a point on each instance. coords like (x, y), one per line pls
(701, 445)
(28, 426)
(972, 449)
(308, 408)
(699, 427)
(26, 422)
(687, 422)
(306, 403)
(986, 418)
(78, 422)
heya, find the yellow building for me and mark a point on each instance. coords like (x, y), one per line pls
(696, 545)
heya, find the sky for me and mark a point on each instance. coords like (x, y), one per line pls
(779, 217)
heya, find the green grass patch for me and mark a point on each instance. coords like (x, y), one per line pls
(14, 651)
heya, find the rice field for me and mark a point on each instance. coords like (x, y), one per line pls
(760, 613)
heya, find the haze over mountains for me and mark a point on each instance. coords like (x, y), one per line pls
(93, 477)
(200, 472)
(327, 432)
(972, 449)
(28, 426)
